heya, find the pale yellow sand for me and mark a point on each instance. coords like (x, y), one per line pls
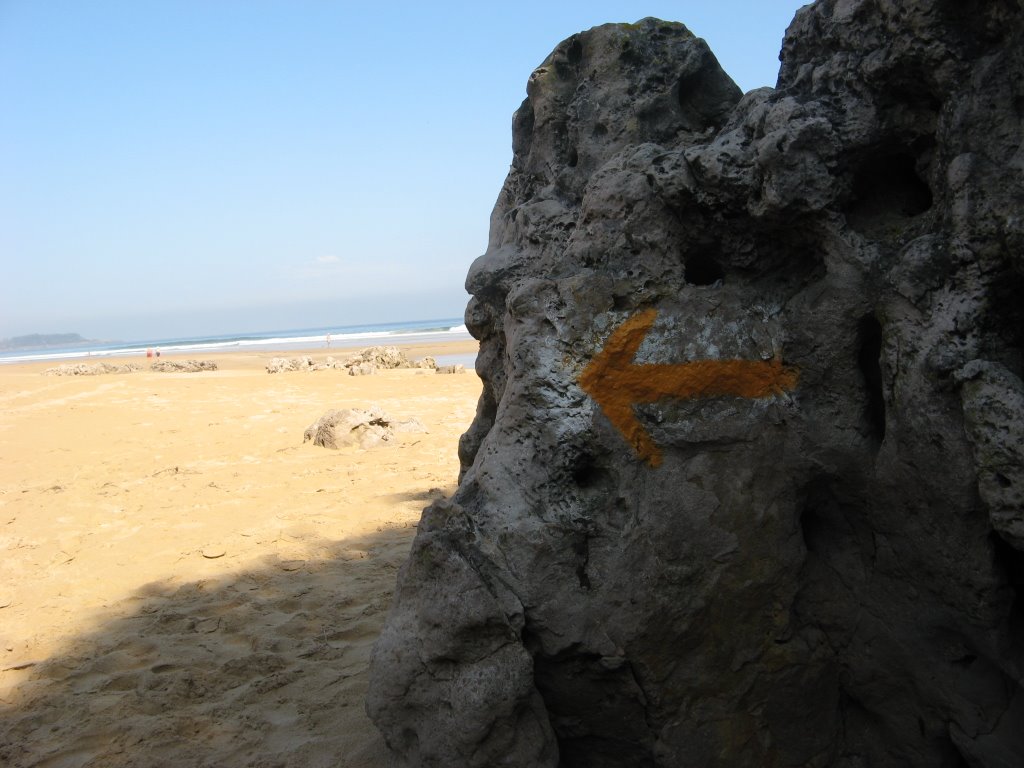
(183, 582)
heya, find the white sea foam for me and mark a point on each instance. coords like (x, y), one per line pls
(338, 338)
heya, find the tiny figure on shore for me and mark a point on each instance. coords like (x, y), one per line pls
(328, 340)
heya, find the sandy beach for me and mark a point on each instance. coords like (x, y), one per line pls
(183, 581)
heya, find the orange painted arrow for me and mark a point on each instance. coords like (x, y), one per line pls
(617, 384)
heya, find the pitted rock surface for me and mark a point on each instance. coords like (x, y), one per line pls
(828, 573)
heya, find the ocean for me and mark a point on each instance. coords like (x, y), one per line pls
(341, 337)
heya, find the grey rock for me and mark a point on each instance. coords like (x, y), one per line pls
(457, 368)
(814, 571)
(362, 369)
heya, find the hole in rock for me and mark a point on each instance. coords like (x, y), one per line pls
(705, 94)
(1010, 564)
(582, 577)
(629, 55)
(869, 352)
(957, 755)
(1004, 320)
(855, 714)
(573, 158)
(598, 712)
(587, 473)
(522, 129)
(838, 543)
(702, 269)
(690, 85)
(575, 51)
(819, 517)
(909, 103)
(886, 190)
(1003, 480)
(564, 70)
(907, 92)
(784, 261)
(780, 257)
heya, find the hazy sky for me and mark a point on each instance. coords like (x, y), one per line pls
(173, 167)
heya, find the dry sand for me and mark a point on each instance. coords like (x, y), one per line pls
(183, 582)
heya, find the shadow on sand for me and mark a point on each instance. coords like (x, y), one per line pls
(264, 667)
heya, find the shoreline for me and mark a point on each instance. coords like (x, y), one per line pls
(348, 337)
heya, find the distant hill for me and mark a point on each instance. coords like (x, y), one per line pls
(42, 340)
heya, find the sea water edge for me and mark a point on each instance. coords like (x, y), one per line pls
(346, 336)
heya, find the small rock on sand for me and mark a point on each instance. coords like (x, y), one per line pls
(367, 427)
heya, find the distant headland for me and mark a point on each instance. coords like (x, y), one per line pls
(36, 340)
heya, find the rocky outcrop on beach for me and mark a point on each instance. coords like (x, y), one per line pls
(744, 484)
(386, 358)
(457, 368)
(304, 363)
(94, 369)
(365, 427)
(362, 369)
(184, 366)
(379, 357)
(362, 363)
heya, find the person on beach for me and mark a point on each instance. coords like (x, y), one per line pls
(328, 340)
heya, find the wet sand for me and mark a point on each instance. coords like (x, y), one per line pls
(183, 581)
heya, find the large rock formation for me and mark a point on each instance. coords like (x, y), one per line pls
(806, 547)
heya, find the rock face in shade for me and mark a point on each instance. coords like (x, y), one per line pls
(807, 547)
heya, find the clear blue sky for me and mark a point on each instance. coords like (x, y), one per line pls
(174, 167)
